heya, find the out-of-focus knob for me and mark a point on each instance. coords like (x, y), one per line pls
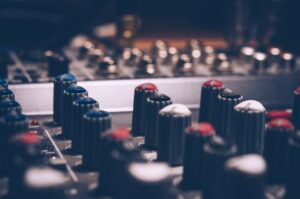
(139, 114)
(57, 64)
(3, 83)
(173, 120)
(276, 114)
(296, 109)
(6, 94)
(9, 106)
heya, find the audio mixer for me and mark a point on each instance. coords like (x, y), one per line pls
(194, 123)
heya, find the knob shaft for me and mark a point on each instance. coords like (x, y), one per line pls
(71, 93)
(80, 106)
(154, 104)
(139, 115)
(61, 82)
(208, 103)
(276, 144)
(195, 137)
(249, 126)
(173, 120)
(95, 124)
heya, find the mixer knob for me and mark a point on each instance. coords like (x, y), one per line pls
(57, 64)
(80, 106)
(84, 49)
(293, 165)
(184, 64)
(141, 93)
(249, 126)
(95, 123)
(208, 103)
(71, 93)
(108, 66)
(3, 67)
(173, 120)
(153, 105)
(260, 62)
(8, 106)
(3, 84)
(244, 177)
(6, 94)
(296, 109)
(227, 100)
(61, 82)
(195, 137)
(276, 114)
(147, 66)
(148, 180)
(288, 62)
(216, 152)
(277, 133)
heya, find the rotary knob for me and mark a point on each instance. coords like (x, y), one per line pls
(139, 114)
(71, 93)
(276, 144)
(208, 103)
(61, 82)
(95, 123)
(9, 106)
(244, 177)
(57, 64)
(227, 100)
(249, 126)
(108, 66)
(296, 109)
(3, 84)
(153, 105)
(6, 94)
(276, 114)
(216, 152)
(195, 137)
(173, 120)
(80, 106)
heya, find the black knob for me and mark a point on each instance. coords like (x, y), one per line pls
(288, 62)
(57, 64)
(276, 144)
(184, 64)
(216, 152)
(60, 83)
(173, 120)
(80, 106)
(3, 84)
(139, 114)
(108, 66)
(148, 180)
(293, 165)
(296, 109)
(227, 100)
(260, 62)
(71, 93)
(6, 94)
(249, 126)
(8, 106)
(3, 67)
(276, 114)
(195, 137)
(153, 105)
(208, 102)
(244, 178)
(95, 123)
(147, 66)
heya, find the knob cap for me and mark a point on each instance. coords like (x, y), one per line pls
(6, 94)
(148, 180)
(276, 114)
(108, 66)
(195, 137)
(3, 84)
(293, 165)
(173, 120)
(260, 62)
(249, 126)
(9, 106)
(276, 144)
(80, 106)
(61, 82)
(57, 64)
(296, 109)
(147, 66)
(244, 177)
(216, 152)
(153, 105)
(208, 103)
(95, 123)
(139, 115)
(71, 93)
(227, 100)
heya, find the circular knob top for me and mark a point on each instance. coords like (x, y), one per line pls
(147, 87)
(65, 77)
(202, 129)
(176, 110)
(287, 114)
(250, 164)
(75, 89)
(120, 134)
(6, 94)
(149, 173)
(297, 91)
(280, 123)
(229, 94)
(9, 104)
(27, 138)
(96, 114)
(250, 106)
(85, 101)
(159, 97)
(213, 84)
(3, 83)
(259, 56)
